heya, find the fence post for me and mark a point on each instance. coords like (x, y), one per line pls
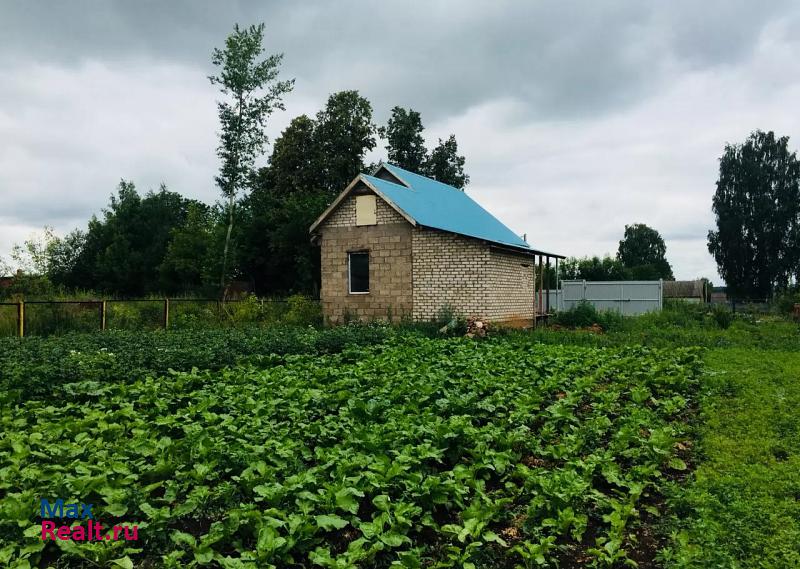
(103, 315)
(21, 318)
(166, 313)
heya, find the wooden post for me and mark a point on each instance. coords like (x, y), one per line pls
(21, 318)
(558, 288)
(541, 284)
(103, 315)
(535, 320)
(547, 300)
(166, 313)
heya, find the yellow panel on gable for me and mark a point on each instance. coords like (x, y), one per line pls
(366, 210)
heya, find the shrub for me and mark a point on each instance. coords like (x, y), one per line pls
(722, 316)
(303, 311)
(449, 322)
(784, 302)
(584, 314)
(248, 311)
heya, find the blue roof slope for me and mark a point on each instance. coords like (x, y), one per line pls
(437, 205)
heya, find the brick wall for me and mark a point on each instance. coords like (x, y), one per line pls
(449, 272)
(389, 246)
(469, 277)
(509, 292)
(417, 271)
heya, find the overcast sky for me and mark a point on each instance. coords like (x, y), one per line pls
(576, 118)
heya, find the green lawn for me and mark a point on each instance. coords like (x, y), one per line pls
(742, 508)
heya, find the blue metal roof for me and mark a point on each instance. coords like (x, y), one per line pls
(440, 206)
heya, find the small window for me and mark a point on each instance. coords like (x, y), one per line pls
(358, 264)
(366, 210)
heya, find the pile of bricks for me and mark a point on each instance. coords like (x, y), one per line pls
(477, 328)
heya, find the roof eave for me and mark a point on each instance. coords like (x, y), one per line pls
(346, 192)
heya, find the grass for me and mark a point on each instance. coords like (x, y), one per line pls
(742, 508)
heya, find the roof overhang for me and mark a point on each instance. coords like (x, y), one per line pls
(527, 252)
(348, 190)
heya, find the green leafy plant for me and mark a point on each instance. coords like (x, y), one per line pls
(330, 449)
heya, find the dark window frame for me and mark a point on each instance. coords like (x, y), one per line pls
(350, 279)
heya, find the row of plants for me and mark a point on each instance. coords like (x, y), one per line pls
(414, 453)
(45, 367)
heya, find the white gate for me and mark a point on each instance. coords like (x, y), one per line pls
(627, 297)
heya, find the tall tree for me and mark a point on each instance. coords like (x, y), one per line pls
(344, 134)
(189, 258)
(64, 254)
(295, 164)
(406, 146)
(757, 207)
(445, 164)
(311, 162)
(122, 250)
(643, 252)
(251, 91)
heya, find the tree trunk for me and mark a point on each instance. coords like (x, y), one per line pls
(232, 196)
(226, 248)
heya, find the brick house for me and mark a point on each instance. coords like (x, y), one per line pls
(396, 244)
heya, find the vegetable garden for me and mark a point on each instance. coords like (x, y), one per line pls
(411, 453)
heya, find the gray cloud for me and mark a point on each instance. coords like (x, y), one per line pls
(576, 117)
(563, 59)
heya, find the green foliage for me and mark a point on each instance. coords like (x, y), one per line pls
(312, 161)
(189, 263)
(252, 92)
(37, 367)
(722, 316)
(446, 165)
(416, 453)
(784, 302)
(344, 134)
(122, 251)
(450, 322)
(685, 324)
(406, 145)
(276, 249)
(584, 314)
(740, 508)
(303, 311)
(643, 253)
(757, 207)
(592, 269)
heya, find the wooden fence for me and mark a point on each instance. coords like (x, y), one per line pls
(102, 308)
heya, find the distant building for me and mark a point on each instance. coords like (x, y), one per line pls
(397, 244)
(719, 295)
(697, 291)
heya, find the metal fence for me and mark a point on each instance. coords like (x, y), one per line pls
(626, 297)
(45, 317)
